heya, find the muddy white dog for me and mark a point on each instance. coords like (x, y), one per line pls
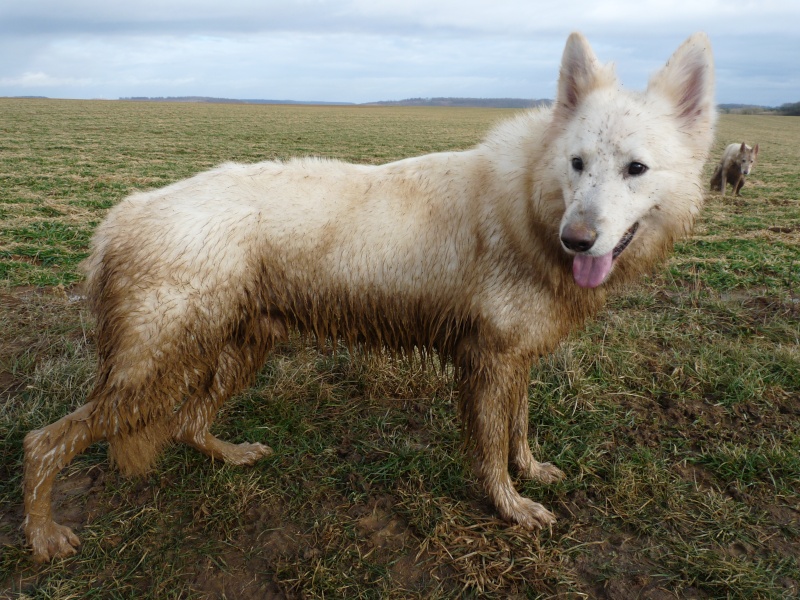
(488, 256)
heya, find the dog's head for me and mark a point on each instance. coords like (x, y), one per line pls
(629, 163)
(747, 157)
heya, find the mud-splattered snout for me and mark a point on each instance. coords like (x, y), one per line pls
(591, 269)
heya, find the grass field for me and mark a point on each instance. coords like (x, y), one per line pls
(675, 415)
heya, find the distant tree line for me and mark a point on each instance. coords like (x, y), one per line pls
(212, 100)
(470, 102)
(791, 109)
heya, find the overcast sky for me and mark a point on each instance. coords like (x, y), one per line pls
(368, 50)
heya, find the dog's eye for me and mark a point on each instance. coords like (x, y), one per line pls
(577, 163)
(636, 168)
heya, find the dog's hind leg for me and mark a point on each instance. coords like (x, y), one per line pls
(490, 389)
(47, 451)
(193, 420)
(520, 449)
(236, 366)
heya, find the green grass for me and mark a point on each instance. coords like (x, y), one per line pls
(674, 414)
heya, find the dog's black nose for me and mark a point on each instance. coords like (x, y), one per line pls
(578, 238)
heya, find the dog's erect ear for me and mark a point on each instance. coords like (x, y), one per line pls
(688, 81)
(581, 72)
(755, 150)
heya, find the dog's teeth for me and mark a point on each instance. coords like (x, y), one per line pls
(626, 239)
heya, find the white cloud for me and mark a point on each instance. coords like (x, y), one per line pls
(39, 80)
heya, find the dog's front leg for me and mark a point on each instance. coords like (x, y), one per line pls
(739, 185)
(521, 455)
(491, 387)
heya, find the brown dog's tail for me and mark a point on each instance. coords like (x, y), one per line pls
(716, 179)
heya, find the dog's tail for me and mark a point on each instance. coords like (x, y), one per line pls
(135, 422)
(135, 453)
(716, 179)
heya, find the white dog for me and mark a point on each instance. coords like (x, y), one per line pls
(489, 257)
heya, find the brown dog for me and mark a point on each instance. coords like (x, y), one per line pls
(488, 256)
(736, 163)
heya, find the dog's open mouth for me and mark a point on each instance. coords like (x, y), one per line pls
(626, 239)
(591, 271)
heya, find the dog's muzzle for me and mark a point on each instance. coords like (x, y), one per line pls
(591, 271)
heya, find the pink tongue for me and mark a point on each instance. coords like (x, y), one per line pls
(591, 271)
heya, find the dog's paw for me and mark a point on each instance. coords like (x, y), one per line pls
(529, 514)
(545, 473)
(247, 453)
(520, 510)
(528, 468)
(49, 540)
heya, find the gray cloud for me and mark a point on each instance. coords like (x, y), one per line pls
(362, 50)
